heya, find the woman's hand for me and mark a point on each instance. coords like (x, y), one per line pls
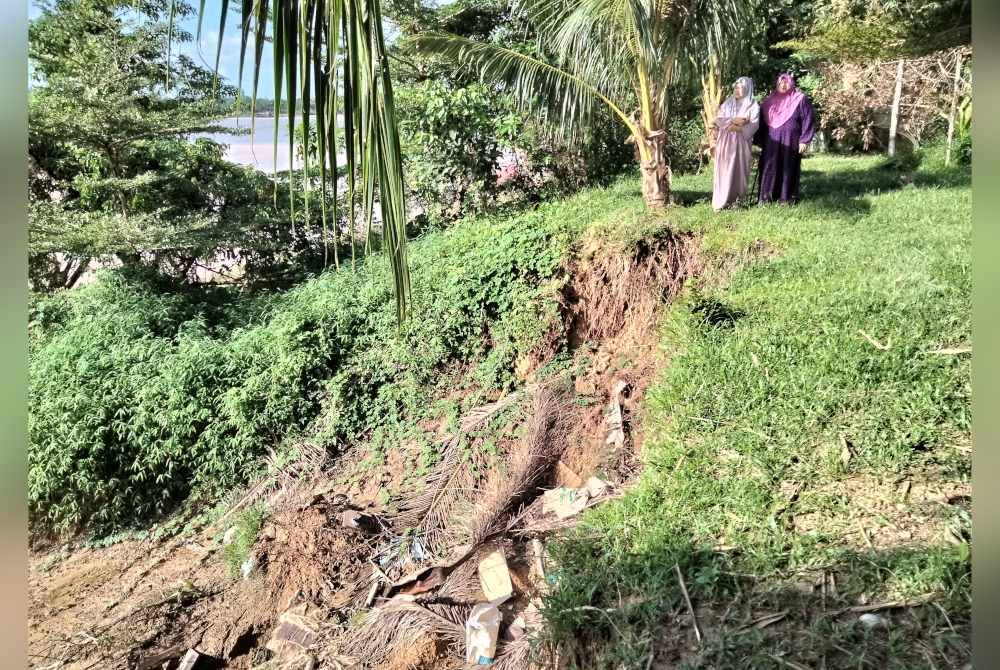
(802, 147)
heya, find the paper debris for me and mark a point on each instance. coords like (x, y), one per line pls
(494, 577)
(481, 630)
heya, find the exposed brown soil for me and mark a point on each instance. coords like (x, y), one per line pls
(118, 606)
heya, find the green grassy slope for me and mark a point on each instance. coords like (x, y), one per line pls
(141, 394)
(784, 446)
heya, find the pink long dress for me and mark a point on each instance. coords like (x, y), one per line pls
(732, 158)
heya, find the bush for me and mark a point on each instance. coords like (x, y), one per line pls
(684, 139)
(140, 395)
(450, 146)
(454, 138)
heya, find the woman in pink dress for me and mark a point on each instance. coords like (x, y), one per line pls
(735, 124)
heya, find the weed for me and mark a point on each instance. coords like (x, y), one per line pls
(248, 525)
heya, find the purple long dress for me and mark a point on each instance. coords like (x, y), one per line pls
(780, 161)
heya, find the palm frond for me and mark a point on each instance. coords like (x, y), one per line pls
(317, 44)
(564, 98)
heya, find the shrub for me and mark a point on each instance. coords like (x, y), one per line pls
(141, 395)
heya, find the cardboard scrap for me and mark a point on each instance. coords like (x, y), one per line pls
(494, 577)
(349, 518)
(614, 418)
(564, 502)
(566, 475)
(295, 631)
(595, 487)
(190, 660)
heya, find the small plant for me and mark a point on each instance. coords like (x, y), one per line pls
(248, 526)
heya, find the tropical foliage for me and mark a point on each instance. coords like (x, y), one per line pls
(335, 50)
(856, 30)
(621, 55)
(141, 396)
(115, 177)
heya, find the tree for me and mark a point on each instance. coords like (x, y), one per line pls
(113, 173)
(622, 54)
(855, 30)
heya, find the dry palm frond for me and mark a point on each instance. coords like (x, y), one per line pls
(462, 584)
(452, 480)
(515, 655)
(529, 464)
(389, 630)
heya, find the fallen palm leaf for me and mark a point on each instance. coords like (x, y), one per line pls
(765, 621)
(399, 624)
(529, 464)
(449, 484)
(888, 605)
(875, 343)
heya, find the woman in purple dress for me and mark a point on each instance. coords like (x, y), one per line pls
(787, 126)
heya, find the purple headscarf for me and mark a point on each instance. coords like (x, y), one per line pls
(779, 107)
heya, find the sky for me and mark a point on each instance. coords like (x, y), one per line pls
(203, 51)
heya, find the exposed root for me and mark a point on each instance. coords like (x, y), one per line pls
(619, 295)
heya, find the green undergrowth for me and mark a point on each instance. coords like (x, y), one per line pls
(769, 375)
(142, 394)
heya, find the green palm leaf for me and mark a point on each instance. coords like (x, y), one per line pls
(624, 54)
(319, 46)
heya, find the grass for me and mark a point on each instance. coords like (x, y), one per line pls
(799, 406)
(248, 525)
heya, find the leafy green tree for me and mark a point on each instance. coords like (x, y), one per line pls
(858, 30)
(113, 173)
(621, 55)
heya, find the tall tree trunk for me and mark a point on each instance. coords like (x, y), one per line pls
(73, 277)
(894, 118)
(954, 107)
(656, 172)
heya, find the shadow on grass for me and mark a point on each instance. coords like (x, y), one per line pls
(842, 192)
(717, 314)
(690, 197)
(632, 611)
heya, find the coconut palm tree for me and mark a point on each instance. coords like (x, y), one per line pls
(335, 50)
(623, 54)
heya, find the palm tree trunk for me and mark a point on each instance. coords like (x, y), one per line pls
(894, 116)
(656, 172)
(954, 106)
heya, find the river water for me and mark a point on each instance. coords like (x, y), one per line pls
(257, 150)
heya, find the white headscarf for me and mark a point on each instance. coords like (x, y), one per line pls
(742, 107)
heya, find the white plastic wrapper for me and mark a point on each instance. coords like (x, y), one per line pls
(481, 631)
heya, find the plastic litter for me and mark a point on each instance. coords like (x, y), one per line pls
(481, 631)
(248, 566)
(873, 621)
